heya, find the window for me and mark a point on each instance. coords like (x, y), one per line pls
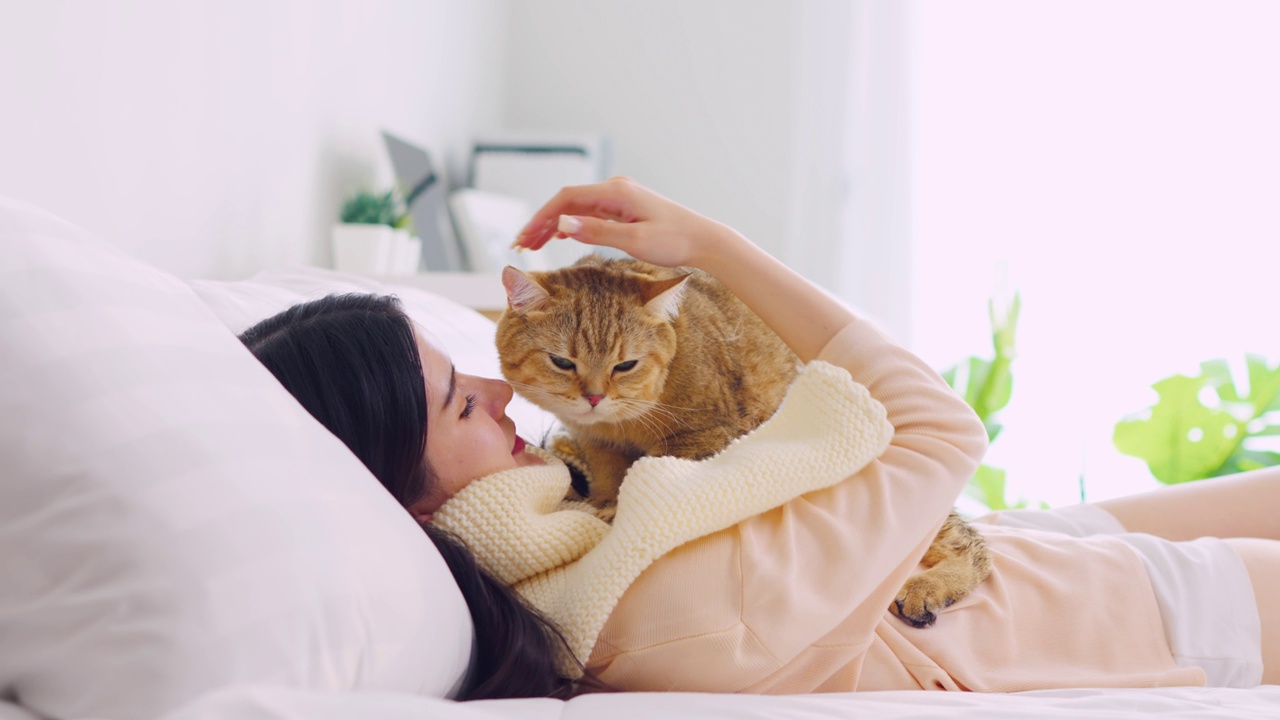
(1118, 164)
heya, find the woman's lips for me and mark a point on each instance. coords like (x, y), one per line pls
(519, 446)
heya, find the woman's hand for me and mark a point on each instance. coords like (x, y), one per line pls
(622, 214)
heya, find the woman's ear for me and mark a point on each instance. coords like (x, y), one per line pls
(420, 512)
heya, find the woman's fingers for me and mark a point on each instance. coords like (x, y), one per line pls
(610, 200)
(620, 214)
(594, 231)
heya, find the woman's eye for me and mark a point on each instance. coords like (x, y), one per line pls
(624, 366)
(470, 406)
(562, 363)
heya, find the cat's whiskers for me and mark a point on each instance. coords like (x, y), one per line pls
(675, 407)
(659, 430)
(659, 410)
(653, 415)
(533, 393)
(533, 389)
(671, 412)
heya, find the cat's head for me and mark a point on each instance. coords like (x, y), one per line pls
(591, 342)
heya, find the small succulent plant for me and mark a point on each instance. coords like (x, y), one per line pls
(373, 208)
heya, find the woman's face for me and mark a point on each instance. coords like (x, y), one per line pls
(468, 432)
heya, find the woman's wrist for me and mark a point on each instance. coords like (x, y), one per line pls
(802, 314)
(722, 250)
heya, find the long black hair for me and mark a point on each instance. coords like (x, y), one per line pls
(352, 361)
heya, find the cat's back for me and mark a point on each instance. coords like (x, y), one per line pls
(723, 344)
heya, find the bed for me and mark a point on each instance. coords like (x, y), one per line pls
(180, 540)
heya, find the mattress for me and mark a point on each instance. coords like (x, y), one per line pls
(270, 703)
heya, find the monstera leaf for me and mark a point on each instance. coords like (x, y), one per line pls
(1182, 438)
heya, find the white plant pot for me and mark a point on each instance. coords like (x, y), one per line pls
(407, 257)
(374, 250)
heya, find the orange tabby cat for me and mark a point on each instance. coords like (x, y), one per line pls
(636, 360)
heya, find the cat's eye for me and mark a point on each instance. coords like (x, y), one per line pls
(624, 366)
(562, 363)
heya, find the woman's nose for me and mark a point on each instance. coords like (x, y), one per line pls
(497, 394)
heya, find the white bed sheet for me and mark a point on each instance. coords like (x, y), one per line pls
(271, 703)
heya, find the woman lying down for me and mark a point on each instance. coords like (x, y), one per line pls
(771, 566)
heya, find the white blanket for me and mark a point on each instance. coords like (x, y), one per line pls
(267, 703)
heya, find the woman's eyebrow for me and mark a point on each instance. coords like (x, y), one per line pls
(453, 386)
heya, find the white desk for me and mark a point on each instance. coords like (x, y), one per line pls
(480, 291)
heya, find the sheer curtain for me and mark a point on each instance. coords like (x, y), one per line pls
(1118, 165)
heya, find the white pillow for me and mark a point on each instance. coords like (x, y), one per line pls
(171, 520)
(465, 334)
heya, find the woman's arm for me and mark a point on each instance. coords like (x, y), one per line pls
(622, 214)
(797, 592)
(824, 567)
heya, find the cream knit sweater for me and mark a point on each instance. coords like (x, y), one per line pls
(573, 567)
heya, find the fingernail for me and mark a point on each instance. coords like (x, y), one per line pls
(569, 225)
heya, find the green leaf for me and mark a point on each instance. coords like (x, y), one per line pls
(993, 430)
(979, 369)
(997, 379)
(950, 375)
(1004, 324)
(987, 487)
(988, 386)
(998, 389)
(373, 208)
(1181, 439)
(1264, 384)
(1243, 460)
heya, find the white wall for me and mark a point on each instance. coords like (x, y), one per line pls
(217, 137)
(755, 113)
(696, 94)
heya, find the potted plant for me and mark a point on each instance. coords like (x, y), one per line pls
(373, 237)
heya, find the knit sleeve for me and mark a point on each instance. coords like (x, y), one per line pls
(518, 524)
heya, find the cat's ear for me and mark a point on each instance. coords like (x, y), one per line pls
(523, 294)
(662, 297)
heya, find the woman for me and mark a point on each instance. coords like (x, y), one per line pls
(356, 364)
(793, 598)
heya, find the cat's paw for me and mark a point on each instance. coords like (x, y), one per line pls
(568, 452)
(921, 599)
(607, 512)
(565, 448)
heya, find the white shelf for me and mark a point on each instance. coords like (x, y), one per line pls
(481, 291)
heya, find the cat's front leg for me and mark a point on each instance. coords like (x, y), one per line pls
(958, 560)
(606, 466)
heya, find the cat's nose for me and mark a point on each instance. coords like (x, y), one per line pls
(593, 398)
